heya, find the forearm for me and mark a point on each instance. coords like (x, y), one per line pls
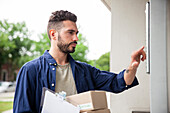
(129, 75)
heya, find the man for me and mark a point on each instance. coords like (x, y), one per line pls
(58, 71)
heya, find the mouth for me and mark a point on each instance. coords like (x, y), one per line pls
(73, 44)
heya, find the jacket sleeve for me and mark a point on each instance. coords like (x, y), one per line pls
(25, 90)
(109, 81)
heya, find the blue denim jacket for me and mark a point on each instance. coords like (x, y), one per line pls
(41, 72)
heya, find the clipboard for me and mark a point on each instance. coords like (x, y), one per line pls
(51, 103)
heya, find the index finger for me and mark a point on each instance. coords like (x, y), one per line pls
(141, 48)
(142, 52)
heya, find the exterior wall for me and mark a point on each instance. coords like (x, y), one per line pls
(128, 35)
(4, 75)
(7, 70)
(158, 58)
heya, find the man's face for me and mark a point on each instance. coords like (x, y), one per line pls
(67, 37)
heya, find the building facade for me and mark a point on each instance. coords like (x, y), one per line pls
(7, 74)
(128, 34)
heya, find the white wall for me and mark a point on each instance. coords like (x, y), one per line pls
(158, 59)
(128, 35)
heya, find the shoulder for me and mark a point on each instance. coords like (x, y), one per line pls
(85, 66)
(29, 70)
(81, 64)
(33, 65)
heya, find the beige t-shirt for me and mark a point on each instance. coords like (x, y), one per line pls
(64, 80)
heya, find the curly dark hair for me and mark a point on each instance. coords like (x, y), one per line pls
(55, 20)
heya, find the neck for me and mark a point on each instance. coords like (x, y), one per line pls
(60, 57)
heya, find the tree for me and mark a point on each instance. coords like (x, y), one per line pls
(43, 44)
(15, 46)
(103, 63)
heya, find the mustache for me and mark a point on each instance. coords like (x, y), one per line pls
(72, 43)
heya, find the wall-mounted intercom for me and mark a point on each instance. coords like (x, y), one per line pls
(147, 11)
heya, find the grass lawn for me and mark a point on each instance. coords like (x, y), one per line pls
(5, 106)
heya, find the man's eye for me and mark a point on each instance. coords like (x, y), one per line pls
(71, 33)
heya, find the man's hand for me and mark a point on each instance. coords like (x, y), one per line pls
(136, 57)
(130, 73)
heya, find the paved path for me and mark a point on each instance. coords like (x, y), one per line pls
(8, 96)
(9, 111)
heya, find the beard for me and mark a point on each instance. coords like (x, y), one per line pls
(64, 47)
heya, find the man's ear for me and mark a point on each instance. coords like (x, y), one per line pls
(53, 34)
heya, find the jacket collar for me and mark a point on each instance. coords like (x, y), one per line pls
(49, 58)
(52, 61)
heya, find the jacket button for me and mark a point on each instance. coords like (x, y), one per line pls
(52, 84)
(53, 68)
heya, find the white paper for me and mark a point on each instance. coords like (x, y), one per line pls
(53, 104)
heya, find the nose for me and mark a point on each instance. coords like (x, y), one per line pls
(75, 38)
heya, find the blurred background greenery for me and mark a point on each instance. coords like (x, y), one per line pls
(16, 48)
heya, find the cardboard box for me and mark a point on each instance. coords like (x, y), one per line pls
(98, 111)
(91, 100)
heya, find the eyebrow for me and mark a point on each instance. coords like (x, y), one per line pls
(70, 30)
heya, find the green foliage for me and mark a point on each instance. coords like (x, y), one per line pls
(81, 50)
(43, 44)
(103, 63)
(15, 46)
